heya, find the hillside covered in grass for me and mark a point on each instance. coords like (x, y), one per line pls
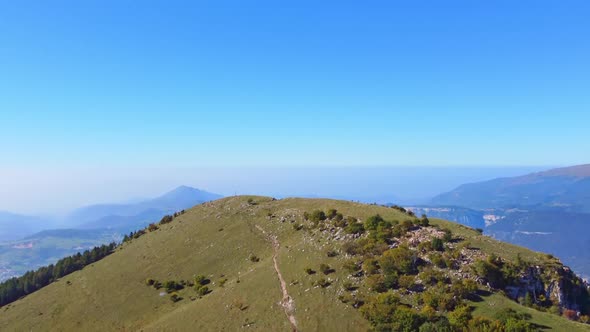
(256, 263)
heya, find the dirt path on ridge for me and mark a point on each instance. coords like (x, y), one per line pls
(287, 302)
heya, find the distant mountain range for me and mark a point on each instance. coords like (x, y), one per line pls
(546, 211)
(562, 188)
(15, 226)
(110, 215)
(29, 242)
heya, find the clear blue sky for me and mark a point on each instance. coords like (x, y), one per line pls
(390, 83)
(287, 83)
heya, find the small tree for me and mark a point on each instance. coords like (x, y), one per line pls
(460, 317)
(166, 219)
(203, 290)
(372, 222)
(424, 222)
(326, 269)
(355, 228)
(332, 213)
(201, 280)
(174, 297)
(317, 216)
(448, 236)
(437, 244)
(323, 283)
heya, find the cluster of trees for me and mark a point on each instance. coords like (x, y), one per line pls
(378, 228)
(152, 227)
(172, 286)
(15, 288)
(317, 216)
(133, 235)
(403, 210)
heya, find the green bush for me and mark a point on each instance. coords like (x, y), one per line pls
(372, 222)
(174, 297)
(332, 253)
(355, 228)
(331, 213)
(490, 271)
(172, 286)
(203, 290)
(222, 282)
(437, 244)
(322, 283)
(376, 283)
(349, 286)
(424, 222)
(201, 280)
(460, 317)
(448, 235)
(326, 269)
(316, 216)
(351, 266)
(400, 259)
(166, 219)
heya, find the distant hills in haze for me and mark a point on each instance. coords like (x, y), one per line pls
(109, 215)
(29, 242)
(15, 226)
(565, 188)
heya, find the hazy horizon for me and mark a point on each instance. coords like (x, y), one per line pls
(56, 192)
(110, 101)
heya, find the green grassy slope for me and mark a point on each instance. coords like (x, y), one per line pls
(216, 239)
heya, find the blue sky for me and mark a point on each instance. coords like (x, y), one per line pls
(199, 84)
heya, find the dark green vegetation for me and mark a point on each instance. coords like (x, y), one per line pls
(326, 274)
(15, 288)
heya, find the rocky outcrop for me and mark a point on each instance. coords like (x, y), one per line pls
(555, 285)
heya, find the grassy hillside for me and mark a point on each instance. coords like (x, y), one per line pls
(232, 239)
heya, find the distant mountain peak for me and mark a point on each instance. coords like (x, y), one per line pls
(186, 191)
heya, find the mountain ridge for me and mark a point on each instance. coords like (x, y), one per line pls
(567, 188)
(220, 246)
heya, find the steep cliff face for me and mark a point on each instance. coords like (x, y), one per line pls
(553, 285)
